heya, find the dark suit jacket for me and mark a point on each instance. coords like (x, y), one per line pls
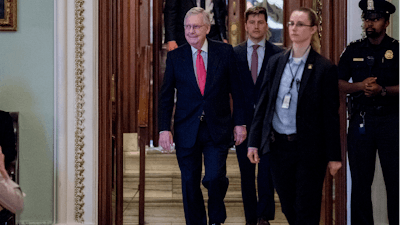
(251, 90)
(220, 82)
(317, 117)
(7, 138)
(174, 14)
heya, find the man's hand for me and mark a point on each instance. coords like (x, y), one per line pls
(166, 141)
(252, 154)
(334, 166)
(239, 134)
(368, 85)
(225, 41)
(3, 170)
(171, 45)
(372, 89)
(369, 80)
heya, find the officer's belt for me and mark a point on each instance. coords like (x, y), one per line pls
(376, 110)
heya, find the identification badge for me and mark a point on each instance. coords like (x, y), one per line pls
(389, 54)
(361, 129)
(358, 59)
(286, 101)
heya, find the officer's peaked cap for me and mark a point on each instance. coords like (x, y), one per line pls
(378, 6)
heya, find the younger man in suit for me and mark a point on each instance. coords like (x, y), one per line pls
(252, 57)
(203, 74)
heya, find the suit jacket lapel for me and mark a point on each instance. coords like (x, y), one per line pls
(243, 54)
(213, 62)
(267, 55)
(246, 76)
(308, 68)
(194, 3)
(278, 74)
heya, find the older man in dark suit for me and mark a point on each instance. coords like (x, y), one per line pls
(203, 73)
(175, 11)
(252, 57)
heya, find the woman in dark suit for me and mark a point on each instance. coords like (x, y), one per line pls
(297, 122)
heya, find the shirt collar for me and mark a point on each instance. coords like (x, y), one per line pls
(250, 43)
(204, 48)
(303, 58)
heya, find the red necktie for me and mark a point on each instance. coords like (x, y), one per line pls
(254, 63)
(201, 71)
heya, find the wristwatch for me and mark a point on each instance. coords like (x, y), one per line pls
(383, 92)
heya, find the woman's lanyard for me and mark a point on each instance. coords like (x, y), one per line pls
(288, 96)
(294, 76)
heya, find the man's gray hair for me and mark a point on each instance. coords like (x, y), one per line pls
(199, 10)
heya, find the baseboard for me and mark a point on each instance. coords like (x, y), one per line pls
(51, 223)
(34, 223)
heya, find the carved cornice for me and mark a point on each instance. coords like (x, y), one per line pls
(79, 107)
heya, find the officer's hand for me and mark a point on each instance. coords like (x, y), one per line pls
(334, 166)
(171, 45)
(252, 154)
(372, 89)
(369, 80)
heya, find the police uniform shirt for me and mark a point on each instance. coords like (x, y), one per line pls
(361, 60)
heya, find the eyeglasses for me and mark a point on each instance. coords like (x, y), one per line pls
(195, 27)
(298, 24)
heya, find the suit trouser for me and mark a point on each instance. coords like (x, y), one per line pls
(382, 135)
(215, 180)
(265, 207)
(298, 178)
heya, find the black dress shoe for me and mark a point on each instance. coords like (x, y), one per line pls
(263, 222)
(248, 223)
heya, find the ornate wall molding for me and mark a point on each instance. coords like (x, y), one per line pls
(318, 9)
(76, 112)
(79, 118)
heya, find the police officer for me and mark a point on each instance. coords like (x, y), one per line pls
(373, 64)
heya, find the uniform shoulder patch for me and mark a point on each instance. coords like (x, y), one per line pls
(356, 41)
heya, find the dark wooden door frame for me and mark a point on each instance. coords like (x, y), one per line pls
(121, 35)
(105, 114)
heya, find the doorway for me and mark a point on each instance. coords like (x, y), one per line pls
(131, 65)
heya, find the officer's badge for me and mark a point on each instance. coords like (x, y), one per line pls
(370, 5)
(389, 54)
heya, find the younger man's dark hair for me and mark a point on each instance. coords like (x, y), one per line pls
(256, 10)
